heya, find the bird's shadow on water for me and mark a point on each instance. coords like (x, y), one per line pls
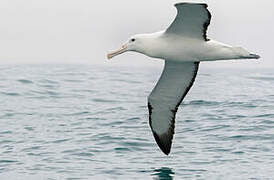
(163, 173)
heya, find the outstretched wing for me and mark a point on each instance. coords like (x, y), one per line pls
(192, 20)
(163, 102)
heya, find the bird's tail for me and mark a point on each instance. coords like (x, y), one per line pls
(244, 54)
(253, 56)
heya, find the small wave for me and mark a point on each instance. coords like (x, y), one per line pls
(238, 152)
(236, 116)
(25, 81)
(267, 122)
(29, 149)
(103, 100)
(264, 78)
(52, 93)
(77, 113)
(7, 161)
(72, 80)
(29, 128)
(48, 81)
(11, 93)
(248, 137)
(204, 74)
(194, 170)
(264, 115)
(6, 132)
(242, 104)
(105, 136)
(126, 81)
(7, 115)
(120, 149)
(6, 142)
(134, 119)
(83, 154)
(217, 127)
(46, 92)
(203, 102)
(135, 144)
(84, 90)
(48, 85)
(61, 140)
(116, 109)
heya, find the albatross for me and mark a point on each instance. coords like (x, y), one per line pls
(183, 45)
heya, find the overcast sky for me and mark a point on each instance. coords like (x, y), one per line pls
(83, 31)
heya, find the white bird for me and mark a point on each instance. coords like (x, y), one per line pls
(183, 45)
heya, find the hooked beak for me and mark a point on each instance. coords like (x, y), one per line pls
(115, 53)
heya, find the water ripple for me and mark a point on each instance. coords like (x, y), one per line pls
(91, 122)
(25, 81)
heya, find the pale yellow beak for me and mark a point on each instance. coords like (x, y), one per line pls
(115, 53)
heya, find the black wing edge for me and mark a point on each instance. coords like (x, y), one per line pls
(182, 3)
(206, 24)
(164, 141)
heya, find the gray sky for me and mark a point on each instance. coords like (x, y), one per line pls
(83, 31)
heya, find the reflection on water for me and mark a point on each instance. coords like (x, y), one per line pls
(163, 173)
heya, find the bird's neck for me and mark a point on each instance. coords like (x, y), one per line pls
(150, 44)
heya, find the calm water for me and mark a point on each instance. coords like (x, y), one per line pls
(91, 122)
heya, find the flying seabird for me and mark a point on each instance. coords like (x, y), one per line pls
(182, 45)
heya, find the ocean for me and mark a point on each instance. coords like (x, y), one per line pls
(91, 122)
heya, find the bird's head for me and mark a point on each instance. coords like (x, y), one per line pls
(134, 43)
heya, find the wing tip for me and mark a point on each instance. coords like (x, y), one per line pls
(164, 142)
(189, 3)
(206, 24)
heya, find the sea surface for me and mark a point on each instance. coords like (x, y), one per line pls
(91, 122)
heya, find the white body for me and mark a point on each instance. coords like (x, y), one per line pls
(178, 48)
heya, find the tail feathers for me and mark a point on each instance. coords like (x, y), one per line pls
(254, 56)
(250, 56)
(244, 54)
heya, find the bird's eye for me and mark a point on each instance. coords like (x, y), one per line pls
(132, 40)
